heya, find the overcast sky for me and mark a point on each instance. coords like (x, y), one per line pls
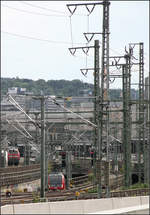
(36, 36)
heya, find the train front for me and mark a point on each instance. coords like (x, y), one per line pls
(56, 181)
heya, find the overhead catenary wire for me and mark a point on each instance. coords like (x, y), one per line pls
(75, 140)
(39, 14)
(43, 8)
(46, 40)
(86, 63)
(17, 129)
(19, 107)
(79, 116)
(33, 13)
(48, 9)
(35, 38)
(24, 128)
(23, 36)
(71, 35)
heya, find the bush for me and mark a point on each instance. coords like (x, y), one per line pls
(136, 186)
(36, 197)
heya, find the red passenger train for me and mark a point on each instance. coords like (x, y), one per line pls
(56, 181)
(13, 156)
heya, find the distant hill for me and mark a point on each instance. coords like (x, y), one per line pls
(56, 87)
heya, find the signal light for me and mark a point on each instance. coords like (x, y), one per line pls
(63, 156)
(92, 158)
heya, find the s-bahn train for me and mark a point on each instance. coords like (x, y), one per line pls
(56, 181)
(13, 156)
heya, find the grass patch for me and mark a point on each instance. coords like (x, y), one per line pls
(136, 186)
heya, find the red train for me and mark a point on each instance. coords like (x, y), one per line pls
(56, 181)
(13, 156)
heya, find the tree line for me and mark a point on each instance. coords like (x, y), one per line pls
(57, 87)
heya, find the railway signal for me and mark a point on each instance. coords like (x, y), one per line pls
(92, 158)
(63, 154)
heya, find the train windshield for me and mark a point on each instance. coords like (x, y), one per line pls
(55, 180)
(12, 151)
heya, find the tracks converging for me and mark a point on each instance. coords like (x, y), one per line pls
(80, 184)
(16, 175)
(70, 195)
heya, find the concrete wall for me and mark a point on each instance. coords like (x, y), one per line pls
(126, 205)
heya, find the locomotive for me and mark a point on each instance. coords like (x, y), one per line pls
(56, 181)
(13, 156)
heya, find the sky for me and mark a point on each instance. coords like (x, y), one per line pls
(36, 37)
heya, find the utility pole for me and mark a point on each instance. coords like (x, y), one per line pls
(46, 159)
(27, 145)
(148, 138)
(37, 128)
(97, 121)
(42, 146)
(104, 96)
(147, 145)
(104, 91)
(141, 142)
(68, 168)
(127, 120)
(42, 160)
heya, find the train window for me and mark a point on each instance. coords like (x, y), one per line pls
(15, 152)
(55, 179)
(12, 151)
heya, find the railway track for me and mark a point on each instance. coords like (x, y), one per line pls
(17, 175)
(79, 184)
(65, 196)
(18, 168)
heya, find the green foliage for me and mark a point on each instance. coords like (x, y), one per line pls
(91, 176)
(136, 186)
(93, 190)
(56, 87)
(50, 87)
(36, 197)
(49, 167)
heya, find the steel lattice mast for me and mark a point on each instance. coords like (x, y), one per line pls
(97, 141)
(127, 120)
(104, 94)
(141, 142)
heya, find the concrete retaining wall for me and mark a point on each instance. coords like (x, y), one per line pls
(100, 206)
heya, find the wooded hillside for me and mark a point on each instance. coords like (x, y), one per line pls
(55, 87)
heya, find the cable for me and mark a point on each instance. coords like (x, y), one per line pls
(71, 31)
(33, 13)
(42, 15)
(19, 107)
(34, 38)
(48, 9)
(36, 13)
(79, 116)
(86, 58)
(43, 8)
(17, 128)
(24, 128)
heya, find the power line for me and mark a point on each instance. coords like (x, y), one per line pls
(71, 32)
(37, 13)
(33, 13)
(43, 8)
(48, 9)
(45, 40)
(34, 38)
